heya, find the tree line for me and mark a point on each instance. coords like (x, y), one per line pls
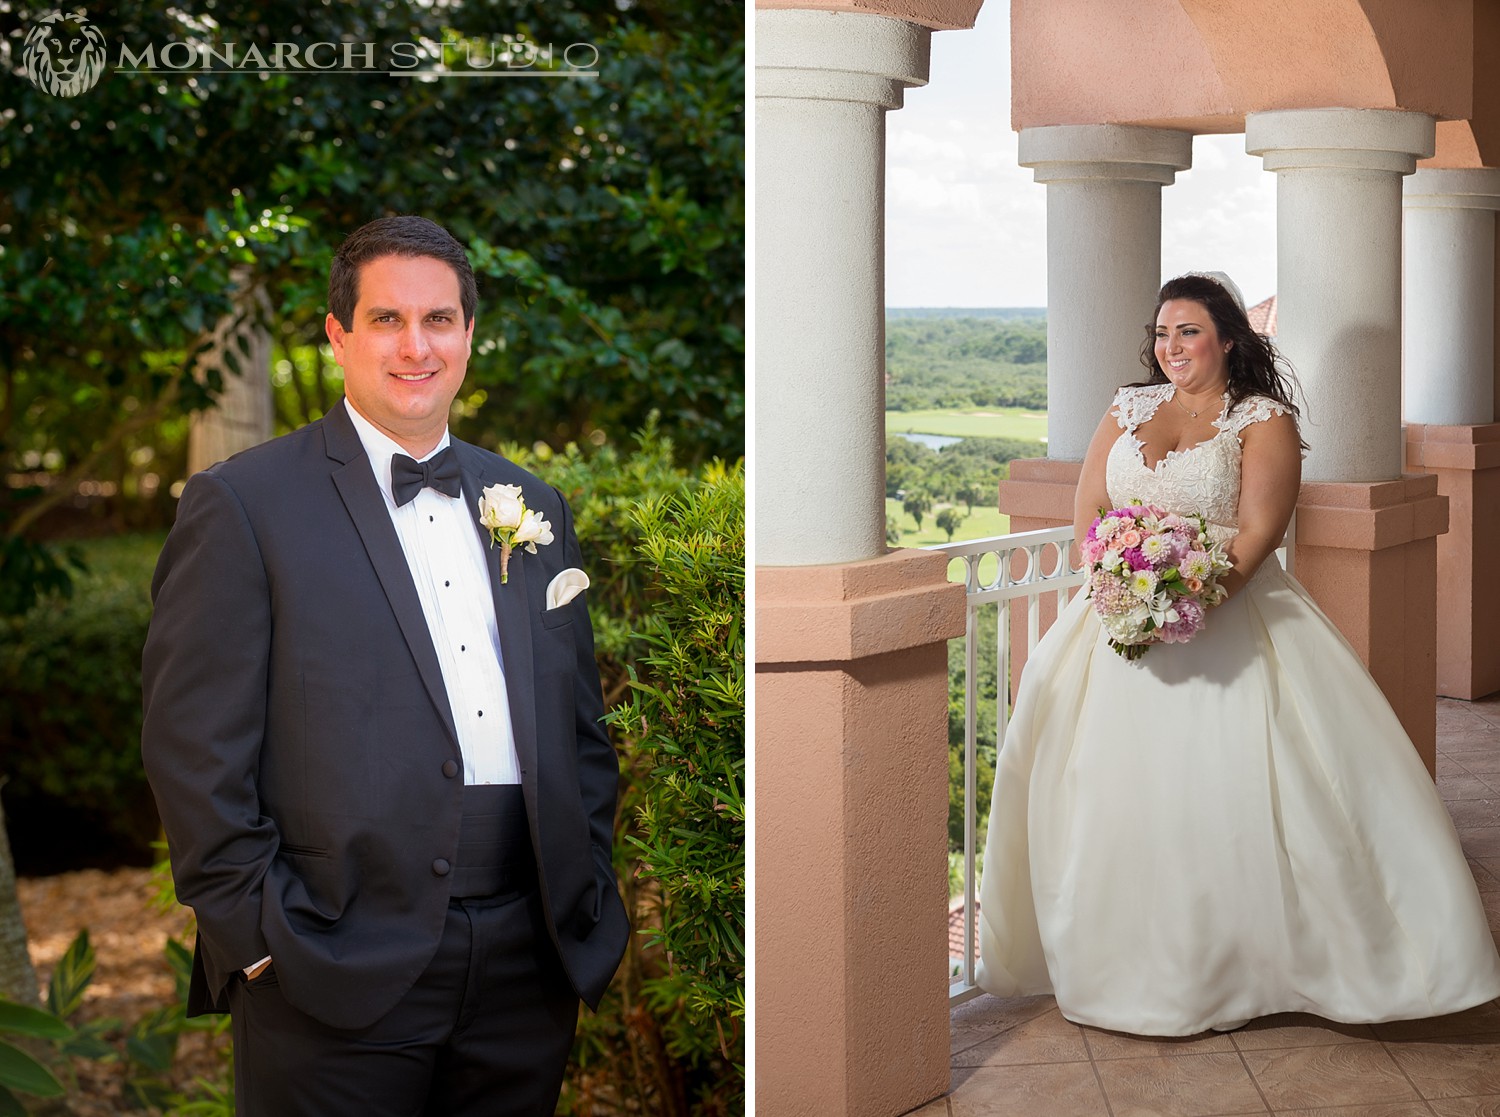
(945, 363)
(964, 473)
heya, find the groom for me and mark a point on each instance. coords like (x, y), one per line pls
(387, 794)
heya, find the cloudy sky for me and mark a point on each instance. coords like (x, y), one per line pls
(966, 226)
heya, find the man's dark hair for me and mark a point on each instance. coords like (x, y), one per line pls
(396, 236)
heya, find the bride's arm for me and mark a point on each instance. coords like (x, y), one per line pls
(1092, 493)
(1270, 478)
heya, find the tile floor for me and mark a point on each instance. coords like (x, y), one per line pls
(1019, 1058)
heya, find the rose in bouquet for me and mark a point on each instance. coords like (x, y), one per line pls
(1153, 574)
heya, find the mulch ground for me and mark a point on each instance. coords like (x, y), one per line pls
(132, 978)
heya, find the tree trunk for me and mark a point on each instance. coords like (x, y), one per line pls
(244, 414)
(17, 978)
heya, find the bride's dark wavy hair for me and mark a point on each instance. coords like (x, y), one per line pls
(1255, 367)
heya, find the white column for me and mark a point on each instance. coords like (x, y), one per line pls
(1448, 283)
(1103, 261)
(1338, 275)
(823, 83)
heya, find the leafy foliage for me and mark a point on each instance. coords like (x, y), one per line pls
(687, 718)
(20, 1072)
(966, 472)
(147, 1047)
(70, 706)
(964, 362)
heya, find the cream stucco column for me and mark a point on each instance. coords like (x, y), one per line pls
(1366, 534)
(1103, 260)
(1448, 340)
(1338, 274)
(823, 83)
(1448, 401)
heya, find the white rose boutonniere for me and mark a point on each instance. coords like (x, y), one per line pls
(503, 511)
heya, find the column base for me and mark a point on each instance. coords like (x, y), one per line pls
(1466, 462)
(851, 740)
(1367, 552)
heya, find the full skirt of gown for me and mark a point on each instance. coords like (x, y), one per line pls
(1223, 829)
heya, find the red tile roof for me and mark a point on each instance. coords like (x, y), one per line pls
(1263, 317)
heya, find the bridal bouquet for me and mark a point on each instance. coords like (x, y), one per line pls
(1153, 574)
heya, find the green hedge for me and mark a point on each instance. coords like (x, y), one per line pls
(70, 709)
(672, 1033)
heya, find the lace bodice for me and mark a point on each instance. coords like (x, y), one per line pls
(1204, 478)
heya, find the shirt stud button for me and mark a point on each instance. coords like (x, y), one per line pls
(450, 768)
(440, 867)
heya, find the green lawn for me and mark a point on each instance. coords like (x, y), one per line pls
(999, 423)
(983, 523)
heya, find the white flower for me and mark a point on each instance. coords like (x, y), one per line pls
(1143, 583)
(503, 512)
(1197, 564)
(1110, 560)
(501, 506)
(533, 529)
(1154, 546)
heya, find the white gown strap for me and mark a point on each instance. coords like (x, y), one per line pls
(1255, 409)
(1133, 406)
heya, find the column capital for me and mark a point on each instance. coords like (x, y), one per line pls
(1346, 139)
(1459, 188)
(838, 56)
(1063, 152)
(938, 15)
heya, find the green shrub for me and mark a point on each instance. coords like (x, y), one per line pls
(677, 1007)
(601, 485)
(70, 703)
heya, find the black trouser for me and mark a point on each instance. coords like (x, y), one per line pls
(486, 1029)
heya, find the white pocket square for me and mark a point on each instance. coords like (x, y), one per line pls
(565, 587)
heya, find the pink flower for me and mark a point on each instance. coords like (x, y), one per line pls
(1189, 621)
(1194, 585)
(1131, 538)
(1110, 595)
(1135, 560)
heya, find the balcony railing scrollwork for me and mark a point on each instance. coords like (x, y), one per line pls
(1014, 570)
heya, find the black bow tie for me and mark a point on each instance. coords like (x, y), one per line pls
(409, 476)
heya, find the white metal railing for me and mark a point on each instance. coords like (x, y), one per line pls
(1045, 567)
(1002, 570)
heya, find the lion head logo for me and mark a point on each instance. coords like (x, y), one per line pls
(64, 54)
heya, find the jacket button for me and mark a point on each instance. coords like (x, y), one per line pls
(441, 867)
(450, 768)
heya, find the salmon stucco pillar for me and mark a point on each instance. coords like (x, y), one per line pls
(1448, 401)
(851, 682)
(1366, 534)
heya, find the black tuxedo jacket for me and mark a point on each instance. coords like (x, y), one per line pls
(297, 730)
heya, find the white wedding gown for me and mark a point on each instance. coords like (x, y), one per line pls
(1226, 828)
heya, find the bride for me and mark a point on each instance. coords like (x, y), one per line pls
(1237, 825)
